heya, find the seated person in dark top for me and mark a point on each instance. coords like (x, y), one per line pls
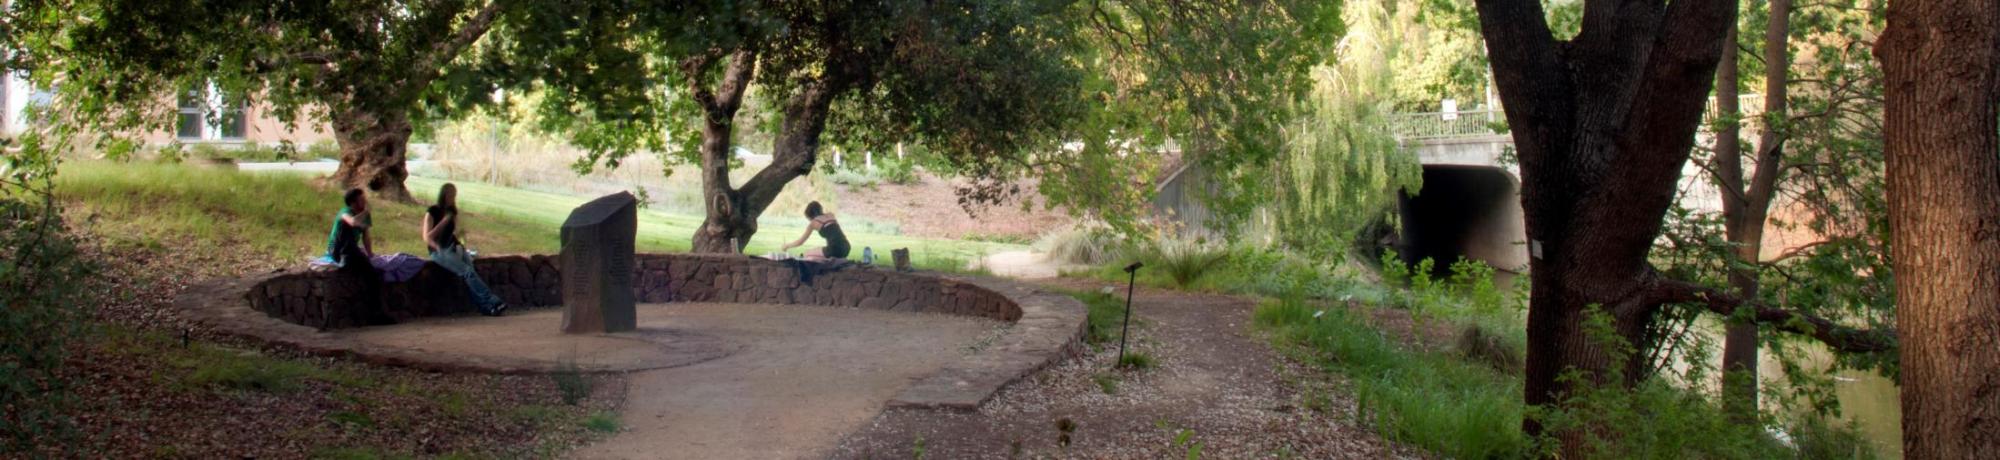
(829, 230)
(351, 246)
(440, 232)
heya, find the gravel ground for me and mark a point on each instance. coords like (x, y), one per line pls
(1215, 386)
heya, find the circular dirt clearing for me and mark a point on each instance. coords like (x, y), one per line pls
(799, 378)
(537, 336)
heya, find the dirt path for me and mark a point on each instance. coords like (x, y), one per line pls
(802, 377)
(1214, 384)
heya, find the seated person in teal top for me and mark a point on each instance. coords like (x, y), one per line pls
(351, 246)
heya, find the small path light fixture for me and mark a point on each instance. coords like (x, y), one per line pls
(1126, 329)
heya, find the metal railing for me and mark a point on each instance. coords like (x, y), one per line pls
(1470, 123)
(1433, 125)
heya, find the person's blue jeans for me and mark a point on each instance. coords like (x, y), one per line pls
(455, 260)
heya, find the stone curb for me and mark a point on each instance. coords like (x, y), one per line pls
(1050, 330)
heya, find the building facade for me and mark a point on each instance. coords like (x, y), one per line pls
(203, 116)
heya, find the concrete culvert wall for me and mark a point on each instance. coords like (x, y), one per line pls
(1468, 211)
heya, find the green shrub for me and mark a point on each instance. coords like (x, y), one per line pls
(1136, 360)
(1107, 382)
(853, 178)
(120, 149)
(1479, 344)
(46, 287)
(997, 238)
(208, 151)
(235, 370)
(1185, 262)
(320, 150)
(602, 422)
(573, 384)
(1431, 400)
(1106, 316)
(896, 171)
(1081, 245)
(1654, 419)
(171, 153)
(533, 415)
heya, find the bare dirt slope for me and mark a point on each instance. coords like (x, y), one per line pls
(930, 208)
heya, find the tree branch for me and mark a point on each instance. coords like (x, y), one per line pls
(1840, 338)
(445, 51)
(1526, 65)
(1796, 252)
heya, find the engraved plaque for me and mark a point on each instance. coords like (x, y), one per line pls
(597, 258)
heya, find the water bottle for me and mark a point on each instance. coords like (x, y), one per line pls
(867, 255)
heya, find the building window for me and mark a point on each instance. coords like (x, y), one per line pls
(231, 123)
(193, 104)
(200, 118)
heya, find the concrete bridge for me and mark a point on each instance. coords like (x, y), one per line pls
(1470, 203)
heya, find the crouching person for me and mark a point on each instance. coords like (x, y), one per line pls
(440, 232)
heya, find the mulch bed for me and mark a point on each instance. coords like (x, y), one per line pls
(146, 383)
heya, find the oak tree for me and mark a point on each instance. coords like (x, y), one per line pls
(1941, 63)
(1603, 123)
(368, 68)
(1062, 91)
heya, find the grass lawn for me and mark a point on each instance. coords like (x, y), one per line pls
(286, 216)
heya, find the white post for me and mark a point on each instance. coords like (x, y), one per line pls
(899, 150)
(836, 156)
(868, 158)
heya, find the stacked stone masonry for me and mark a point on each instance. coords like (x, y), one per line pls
(325, 300)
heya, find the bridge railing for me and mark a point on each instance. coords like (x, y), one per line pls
(1429, 125)
(1436, 125)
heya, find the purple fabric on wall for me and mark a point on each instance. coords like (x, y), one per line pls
(398, 267)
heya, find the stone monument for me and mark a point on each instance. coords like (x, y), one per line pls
(597, 243)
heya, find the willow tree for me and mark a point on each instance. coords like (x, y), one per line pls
(1341, 167)
(365, 67)
(996, 89)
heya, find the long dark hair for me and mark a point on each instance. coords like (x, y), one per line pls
(448, 197)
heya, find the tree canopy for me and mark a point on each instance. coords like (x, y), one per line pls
(368, 67)
(1083, 95)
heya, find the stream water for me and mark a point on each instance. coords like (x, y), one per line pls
(1867, 399)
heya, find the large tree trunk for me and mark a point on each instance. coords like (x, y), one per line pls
(1602, 125)
(373, 147)
(1940, 143)
(734, 214)
(375, 143)
(727, 225)
(731, 218)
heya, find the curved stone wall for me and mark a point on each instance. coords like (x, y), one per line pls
(719, 278)
(325, 300)
(304, 311)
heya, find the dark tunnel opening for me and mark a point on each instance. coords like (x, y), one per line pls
(1462, 211)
